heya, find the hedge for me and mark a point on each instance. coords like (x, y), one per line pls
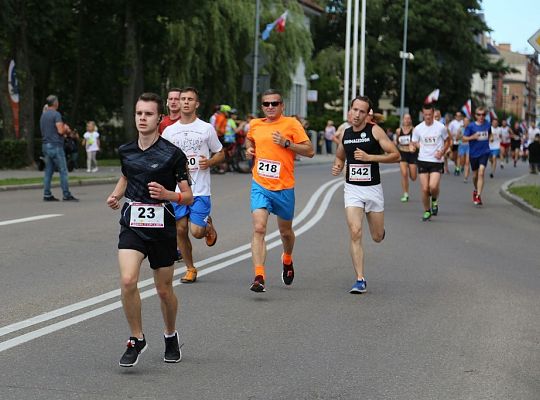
(13, 154)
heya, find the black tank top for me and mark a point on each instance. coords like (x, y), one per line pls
(404, 139)
(361, 173)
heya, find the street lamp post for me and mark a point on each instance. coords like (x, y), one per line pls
(404, 57)
(255, 60)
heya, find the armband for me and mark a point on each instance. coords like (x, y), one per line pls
(179, 197)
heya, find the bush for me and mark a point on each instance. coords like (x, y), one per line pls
(13, 154)
(392, 122)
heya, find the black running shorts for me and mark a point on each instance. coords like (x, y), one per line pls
(409, 157)
(160, 253)
(477, 161)
(426, 167)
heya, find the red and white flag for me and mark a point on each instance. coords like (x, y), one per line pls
(466, 109)
(432, 97)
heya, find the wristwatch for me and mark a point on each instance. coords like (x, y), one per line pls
(287, 143)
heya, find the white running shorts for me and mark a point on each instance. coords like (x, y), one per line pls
(370, 198)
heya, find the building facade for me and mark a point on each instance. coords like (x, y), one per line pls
(517, 92)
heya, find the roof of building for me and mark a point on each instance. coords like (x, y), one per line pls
(491, 49)
(513, 58)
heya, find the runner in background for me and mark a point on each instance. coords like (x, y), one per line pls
(173, 106)
(494, 145)
(409, 158)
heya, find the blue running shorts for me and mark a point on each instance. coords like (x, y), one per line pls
(463, 149)
(279, 202)
(495, 152)
(197, 213)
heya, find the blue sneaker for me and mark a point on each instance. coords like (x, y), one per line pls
(359, 287)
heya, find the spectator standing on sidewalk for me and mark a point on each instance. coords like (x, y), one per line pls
(91, 144)
(52, 131)
(329, 134)
(534, 154)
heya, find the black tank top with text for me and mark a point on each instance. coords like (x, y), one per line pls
(361, 173)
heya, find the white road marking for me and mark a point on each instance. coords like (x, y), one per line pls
(8, 344)
(28, 219)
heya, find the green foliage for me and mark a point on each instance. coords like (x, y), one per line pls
(13, 154)
(392, 122)
(317, 122)
(441, 35)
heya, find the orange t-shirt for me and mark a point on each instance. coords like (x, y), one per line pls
(273, 167)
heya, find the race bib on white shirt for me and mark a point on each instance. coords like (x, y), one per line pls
(193, 162)
(268, 168)
(360, 173)
(430, 140)
(147, 215)
(483, 135)
(404, 140)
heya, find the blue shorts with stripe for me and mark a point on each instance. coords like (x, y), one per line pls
(197, 212)
(278, 202)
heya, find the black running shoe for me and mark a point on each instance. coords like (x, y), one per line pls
(50, 198)
(287, 275)
(70, 198)
(173, 354)
(134, 348)
(258, 284)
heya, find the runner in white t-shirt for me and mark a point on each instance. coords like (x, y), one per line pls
(495, 145)
(198, 140)
(453, 128)
(505, 142)
(432, 138)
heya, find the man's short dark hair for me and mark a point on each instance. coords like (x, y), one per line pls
(148, 96)
(428, 107)
(174, 89)
(51, 99)
(190, 89)
(365, 99)
(271, 92)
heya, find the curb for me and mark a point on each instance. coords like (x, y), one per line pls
(101, 181)
(518, 201)
(78, 182)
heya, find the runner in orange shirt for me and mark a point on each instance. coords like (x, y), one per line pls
(273, 142)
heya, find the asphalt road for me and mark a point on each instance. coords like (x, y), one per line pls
(451, 310)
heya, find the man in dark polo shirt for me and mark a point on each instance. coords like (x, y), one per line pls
(52, 131)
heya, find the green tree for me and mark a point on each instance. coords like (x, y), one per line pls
(441, 35)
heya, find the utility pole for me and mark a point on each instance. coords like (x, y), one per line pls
(363, 48)
(347, 60)
(404, 56)
(255, 59)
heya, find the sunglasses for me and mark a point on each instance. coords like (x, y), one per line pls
(480, 114)
(271, 103)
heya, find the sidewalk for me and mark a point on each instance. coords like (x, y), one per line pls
(525, 180)
(107, 175)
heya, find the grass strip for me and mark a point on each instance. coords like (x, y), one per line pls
(530, 193)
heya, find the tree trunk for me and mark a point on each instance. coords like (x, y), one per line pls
(26, 84)
(133, 72)
(5, 104)
(77, 95)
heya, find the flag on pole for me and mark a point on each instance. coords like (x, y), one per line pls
(509, 120)
(279, 24)
(432, 97)
(466, 109)
(492, 114)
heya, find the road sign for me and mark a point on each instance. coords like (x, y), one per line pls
(261, 60)
(534, 41)
(263, 83)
